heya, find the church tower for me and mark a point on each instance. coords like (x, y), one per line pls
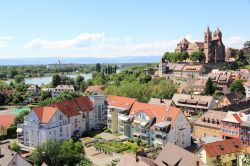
(207, 43)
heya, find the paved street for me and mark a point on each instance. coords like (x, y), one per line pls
(8, 154)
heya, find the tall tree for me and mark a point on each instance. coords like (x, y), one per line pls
(98, 67)
(209, 87)
(237, 86)
(197, 56)
(56, 80)
(19, 78)
(241, 55)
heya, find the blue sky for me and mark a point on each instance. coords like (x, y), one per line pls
(114, 28)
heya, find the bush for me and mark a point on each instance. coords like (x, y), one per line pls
(11, 132)
(15, 147)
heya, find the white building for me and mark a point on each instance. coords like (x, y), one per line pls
(247, 89)
(61, 89)
(59, 121)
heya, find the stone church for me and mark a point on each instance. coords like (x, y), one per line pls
(212, 46)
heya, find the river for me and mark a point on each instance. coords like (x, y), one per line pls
(47, 79)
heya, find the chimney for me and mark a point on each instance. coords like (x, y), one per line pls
(161, 101)
(197, 163)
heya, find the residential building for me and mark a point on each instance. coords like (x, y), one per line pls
(212, 46)
(164, 102)
(18, 160)
(193, 104)
(193, 71)
(222, 80)
(174, 155)
(236, 125)
(209, 124)
(194, 86)
(99, 114)
(118, 109)
(175, 68)
(61, 89)
(95, 89)
(230, 98)
(33, 89)
(153, 124)
(58, 121)
(241, 106)
(220, 152)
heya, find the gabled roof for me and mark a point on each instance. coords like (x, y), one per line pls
(45, 113)
(233, 97)
(233, 118)
(218, 148)
(121, 102)
(161, 113)
(174, 155)
(65, 87)
(74, 106)
(94, 88)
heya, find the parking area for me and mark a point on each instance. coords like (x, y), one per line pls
(98, 158)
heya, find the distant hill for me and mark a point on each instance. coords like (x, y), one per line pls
(84, 60)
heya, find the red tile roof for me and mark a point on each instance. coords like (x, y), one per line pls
(222, 147)
(161, 113)
(45, 113)
(94, 88)
(68, 108)
(7, 120)
(72, 107)
(122, 102)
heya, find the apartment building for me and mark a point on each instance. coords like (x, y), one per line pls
(193, 104)
(209, 124)
(236, 125)
(153, 124)
(59, 121)
(61, 89)
(33, 89)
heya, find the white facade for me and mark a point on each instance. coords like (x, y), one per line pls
(35, 132)
(247, 89)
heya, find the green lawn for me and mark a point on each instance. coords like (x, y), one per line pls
(246, 67)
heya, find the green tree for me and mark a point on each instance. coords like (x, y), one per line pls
(15, 147)
(237, 86)
(56, 80)
(246, 159)
(241, 55)
(3, 98)
(79, 80)
(197, 56)
(20, 117)
(18, 97)
(98, 67)
(19, 78)
(209, 87)
(44, 95)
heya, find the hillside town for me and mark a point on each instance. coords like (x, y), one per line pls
(191, 109)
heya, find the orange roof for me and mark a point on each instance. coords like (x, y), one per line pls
(7, 120)
(72, 107)
(122, 102)
(45, 113)
(246, 149)
(161, 113)
(94, 88)
(192, 68)
(223, 147)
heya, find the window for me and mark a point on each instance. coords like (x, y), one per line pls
(230, 124)
(236, 126)
(61, 117)
(60, 129)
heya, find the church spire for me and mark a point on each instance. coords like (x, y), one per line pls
(208, 30)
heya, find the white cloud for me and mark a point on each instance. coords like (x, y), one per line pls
(3, 41)
(235, 41)
(82, 40)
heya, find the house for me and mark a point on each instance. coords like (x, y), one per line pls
(97, 89)
(209, 124)
(33, 89)
(193, 104)
(222, 80)
(164, 102)
(157, 125)
(194, 86)
(153, 124)
(236, 125)
(193, 71)
(247, 89)
(118, 109)
(61, 89)
(174, 155)
(241, 106)
(18, 160)
(174, 68)
(230, 98)
(135, 160)
(58, 121)
(220, 152)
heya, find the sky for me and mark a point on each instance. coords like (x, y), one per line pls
(115, 28)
